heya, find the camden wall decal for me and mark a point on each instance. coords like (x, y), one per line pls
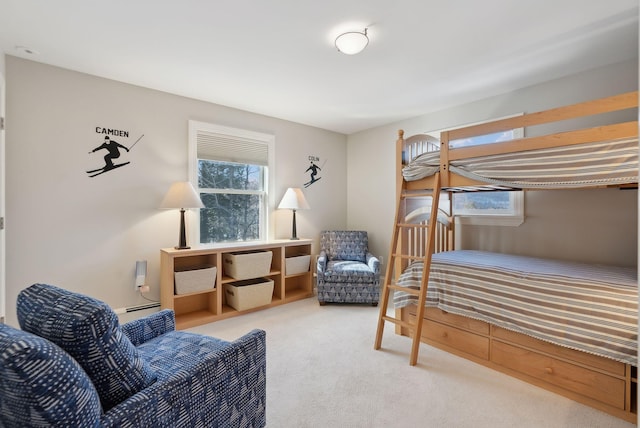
(313, 170)
(113, 149)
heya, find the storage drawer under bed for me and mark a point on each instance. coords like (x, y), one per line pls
(608, 365)
(581, 380)
(466, 342)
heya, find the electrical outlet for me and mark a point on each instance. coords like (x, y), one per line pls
(381, 258)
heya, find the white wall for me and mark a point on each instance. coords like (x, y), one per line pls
(591, 226)
(2, 190)
(85, 234)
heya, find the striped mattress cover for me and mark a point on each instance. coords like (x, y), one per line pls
(582, 165)
(591, 308)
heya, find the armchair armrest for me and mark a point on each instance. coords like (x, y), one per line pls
(373, 263)
(146, 328)
(322, 262)
(230, 383)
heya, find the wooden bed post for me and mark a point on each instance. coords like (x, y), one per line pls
(444, 158)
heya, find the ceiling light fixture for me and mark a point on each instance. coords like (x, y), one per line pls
(352, 42)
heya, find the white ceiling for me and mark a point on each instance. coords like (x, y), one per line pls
(276, 57)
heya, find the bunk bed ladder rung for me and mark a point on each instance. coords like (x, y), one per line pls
(414, 291)
(406, 257)
(399, 322)
(412, 225)
(396, 257)
(417, 194)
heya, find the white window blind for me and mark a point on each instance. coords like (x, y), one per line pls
(232, 148)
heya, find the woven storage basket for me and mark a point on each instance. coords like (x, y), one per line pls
(251, 293)
(297, 264)
(191, 281)
(247, 264)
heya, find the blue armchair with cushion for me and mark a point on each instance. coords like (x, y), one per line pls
(347, 271)
(73, 365)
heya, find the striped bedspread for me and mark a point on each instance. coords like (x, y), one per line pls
(591, 308)
(582, 165)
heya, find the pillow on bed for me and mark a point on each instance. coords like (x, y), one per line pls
(89, 331)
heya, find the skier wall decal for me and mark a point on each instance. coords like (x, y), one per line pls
(113, 152)
(313, 168)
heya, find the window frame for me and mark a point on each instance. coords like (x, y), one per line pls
(514, 217)
(269, 185)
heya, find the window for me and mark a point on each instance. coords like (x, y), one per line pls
(504, 208)
(229, 168)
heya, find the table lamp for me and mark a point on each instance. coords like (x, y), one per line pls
(293, 199)
(182, 195)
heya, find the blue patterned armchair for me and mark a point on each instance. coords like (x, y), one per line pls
(73, 365)
(347, 271)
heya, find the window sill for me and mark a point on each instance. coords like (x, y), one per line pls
(490, 220)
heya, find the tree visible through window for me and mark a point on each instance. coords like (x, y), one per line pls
(487, 202)
(232, 194)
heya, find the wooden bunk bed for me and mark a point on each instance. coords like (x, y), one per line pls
(567, 327)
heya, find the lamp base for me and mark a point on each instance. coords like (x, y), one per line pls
(294, 233)
(182, 245)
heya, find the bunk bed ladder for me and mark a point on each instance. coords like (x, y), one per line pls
(398, 260)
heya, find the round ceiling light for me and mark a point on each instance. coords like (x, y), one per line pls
(352, 42)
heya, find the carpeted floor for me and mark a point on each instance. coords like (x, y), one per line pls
(322, 371)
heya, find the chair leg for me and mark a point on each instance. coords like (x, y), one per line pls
(322, 303)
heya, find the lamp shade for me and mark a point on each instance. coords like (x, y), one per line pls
(352, 42)
(293, 199)
(181, 195)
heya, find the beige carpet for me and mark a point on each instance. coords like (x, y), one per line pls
(322, 371)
